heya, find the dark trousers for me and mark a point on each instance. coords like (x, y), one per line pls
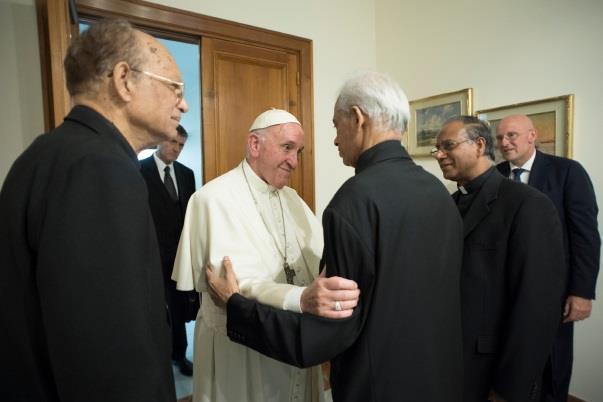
(177, 303)
(558, 369)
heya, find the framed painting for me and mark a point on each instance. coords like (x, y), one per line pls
(553, 119)
(427, 116)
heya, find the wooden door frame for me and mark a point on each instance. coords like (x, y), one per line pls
(56, 30)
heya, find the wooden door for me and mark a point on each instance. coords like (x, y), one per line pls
(245, 70)
(239, 82)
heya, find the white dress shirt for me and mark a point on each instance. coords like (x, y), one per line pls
(161, 168)
(527, 168)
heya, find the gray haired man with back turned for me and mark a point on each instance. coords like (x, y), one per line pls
(403, 341)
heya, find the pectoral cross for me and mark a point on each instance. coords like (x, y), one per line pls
(289, 273)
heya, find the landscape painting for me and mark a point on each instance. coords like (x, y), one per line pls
(427, 116)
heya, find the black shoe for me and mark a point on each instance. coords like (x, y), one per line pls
(185, 366)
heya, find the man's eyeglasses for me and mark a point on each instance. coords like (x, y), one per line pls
(512, 136)
(177, 87)
(446, 146)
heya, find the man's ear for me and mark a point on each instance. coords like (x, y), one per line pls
(358, 117)
(481, 146)
(123, 81)
(532, 135)
(253, 144)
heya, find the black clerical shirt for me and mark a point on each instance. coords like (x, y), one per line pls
(466, 194)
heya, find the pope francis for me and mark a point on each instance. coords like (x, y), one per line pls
(274, 242)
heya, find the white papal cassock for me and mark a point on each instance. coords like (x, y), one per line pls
(223, 220)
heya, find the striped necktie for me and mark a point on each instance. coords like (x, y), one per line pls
(517, 174)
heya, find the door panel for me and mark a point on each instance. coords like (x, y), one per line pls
(252, 67)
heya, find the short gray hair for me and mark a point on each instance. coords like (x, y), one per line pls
(476, 128)
(379, 97)
(93, 54)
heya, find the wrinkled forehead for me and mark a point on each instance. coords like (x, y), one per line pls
(516, 125)
(158, 58)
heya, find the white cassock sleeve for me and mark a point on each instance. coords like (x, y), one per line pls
(219, 224)
(189, 257)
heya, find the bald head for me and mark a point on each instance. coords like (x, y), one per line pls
(516, 138)
(519, 119)
(155, 55)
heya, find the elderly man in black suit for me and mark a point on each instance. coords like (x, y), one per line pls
(513, 274)
(567, 184)
(170, 186)
(82, 303)
(394, 230)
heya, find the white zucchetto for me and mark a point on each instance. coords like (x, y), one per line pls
(273, 117)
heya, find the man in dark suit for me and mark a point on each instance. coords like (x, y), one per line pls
(170, 186)
(567, 184)
(82, 304)
(394, 230)
(513, 275)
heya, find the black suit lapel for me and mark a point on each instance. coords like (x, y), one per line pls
(504, 168)
(180, 184)
(152, 173)
(480, 208)
(149, 169)
(538, 174)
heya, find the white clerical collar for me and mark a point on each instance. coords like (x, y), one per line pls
(463, 190)
(160, 164)
(255, 181)
(526, 166)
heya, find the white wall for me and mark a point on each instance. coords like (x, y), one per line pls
(343, 35)
(509, 51)
(21, 113)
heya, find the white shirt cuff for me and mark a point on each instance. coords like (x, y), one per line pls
(292, 300)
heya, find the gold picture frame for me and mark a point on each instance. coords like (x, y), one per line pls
(553, 119)
(427, 115)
